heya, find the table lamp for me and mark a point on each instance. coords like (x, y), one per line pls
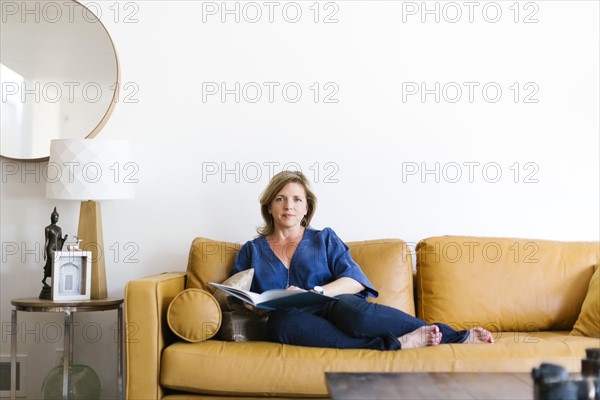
(90, 170)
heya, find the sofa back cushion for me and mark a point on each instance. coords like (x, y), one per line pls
(503, 284)
(387, 263)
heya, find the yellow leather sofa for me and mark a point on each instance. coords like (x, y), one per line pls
(529, 293)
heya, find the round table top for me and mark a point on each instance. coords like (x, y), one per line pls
(33, 303)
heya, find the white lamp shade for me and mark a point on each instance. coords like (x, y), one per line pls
(91, 169)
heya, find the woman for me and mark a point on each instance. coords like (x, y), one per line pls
(289, 254)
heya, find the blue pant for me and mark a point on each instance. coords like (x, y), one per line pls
(351, 322)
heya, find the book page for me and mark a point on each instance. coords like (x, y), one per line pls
(276, 298)
(244, 295)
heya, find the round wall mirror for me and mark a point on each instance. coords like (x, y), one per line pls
(59, 75)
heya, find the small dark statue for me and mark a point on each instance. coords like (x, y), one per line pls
(54, 242)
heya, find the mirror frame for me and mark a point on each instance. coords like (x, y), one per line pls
(113, 101)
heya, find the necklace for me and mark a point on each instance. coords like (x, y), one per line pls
(295, 244)
(287, 282)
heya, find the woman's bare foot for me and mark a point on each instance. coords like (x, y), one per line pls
(478, 336)
(428, 335)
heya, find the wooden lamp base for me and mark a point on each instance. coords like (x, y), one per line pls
(90, 234)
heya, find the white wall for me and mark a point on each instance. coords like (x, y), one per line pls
(364, 147)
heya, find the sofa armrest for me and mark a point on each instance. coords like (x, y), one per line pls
(146, 303)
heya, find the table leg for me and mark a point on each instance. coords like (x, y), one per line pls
(120, 344)
(66, 354)
(72, 337)
(13, 354)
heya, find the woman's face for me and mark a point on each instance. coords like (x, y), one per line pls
(289, 206)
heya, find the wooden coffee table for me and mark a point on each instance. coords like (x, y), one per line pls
(429, 385)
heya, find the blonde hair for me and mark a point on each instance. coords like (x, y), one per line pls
(275, 185)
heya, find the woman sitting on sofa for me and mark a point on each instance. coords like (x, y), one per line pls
(289, 254)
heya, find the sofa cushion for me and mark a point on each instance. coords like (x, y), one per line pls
(272, 369)
(503, 284)
(209, 261)
(194, 315)
(588, 323)
(387, 263)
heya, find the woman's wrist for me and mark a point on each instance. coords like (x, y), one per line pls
(319, 290)
(342, 285)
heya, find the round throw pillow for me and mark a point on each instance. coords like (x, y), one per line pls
(194, 315)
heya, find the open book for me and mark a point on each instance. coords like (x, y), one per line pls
(276, 299)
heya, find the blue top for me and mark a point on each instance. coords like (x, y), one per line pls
(320, 258)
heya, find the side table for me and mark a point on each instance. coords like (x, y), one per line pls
(34, 304)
